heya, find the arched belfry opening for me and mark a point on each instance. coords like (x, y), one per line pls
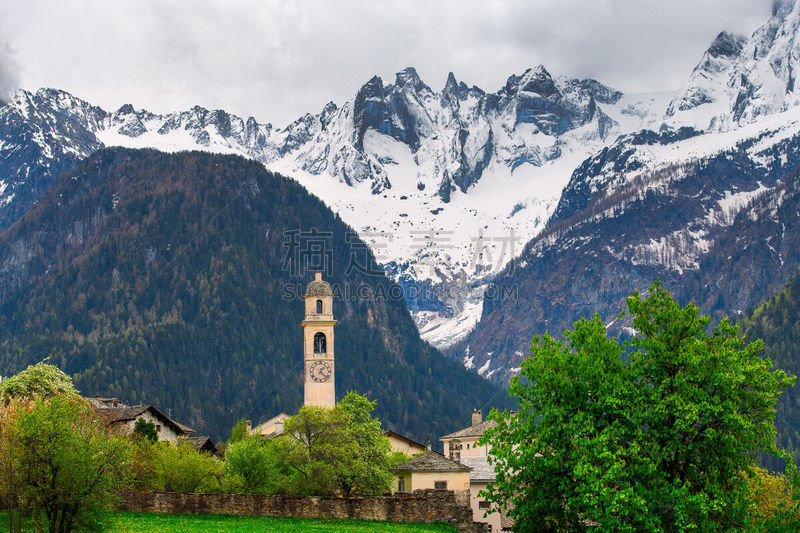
(319, 307)
(319, 343)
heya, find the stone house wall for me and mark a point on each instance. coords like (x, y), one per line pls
(165, 433)
(425, 506)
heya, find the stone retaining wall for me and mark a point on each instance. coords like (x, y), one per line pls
(424, 506)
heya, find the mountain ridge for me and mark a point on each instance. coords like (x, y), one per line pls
(360, 158)
(166, 279)
(707, 203)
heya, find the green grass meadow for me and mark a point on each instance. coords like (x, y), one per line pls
(174, 523)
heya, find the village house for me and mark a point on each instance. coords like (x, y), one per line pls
(432, 470)
(123, 418)
(202, 444)
(464, 443)
(463, 446)
(401, 443)
(270, 428)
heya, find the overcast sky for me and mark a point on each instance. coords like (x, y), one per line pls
(277, 59)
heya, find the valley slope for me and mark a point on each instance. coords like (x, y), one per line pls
(174, 280)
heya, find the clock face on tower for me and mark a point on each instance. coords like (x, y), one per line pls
(320, 371)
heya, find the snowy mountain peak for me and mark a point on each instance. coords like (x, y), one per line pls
(408, 78)
(727, 45)
(741, 80)
(534, 80)
(783, 8)
(451, 84)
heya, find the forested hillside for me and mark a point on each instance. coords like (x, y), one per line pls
(777, 323)
(174, 280)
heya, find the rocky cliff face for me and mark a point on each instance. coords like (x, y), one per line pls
(741, 80)
(445, 185)
(719, 230)
(707, 203)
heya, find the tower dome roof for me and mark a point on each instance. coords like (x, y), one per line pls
(318, 287)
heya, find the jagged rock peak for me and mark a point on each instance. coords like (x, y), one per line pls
(126, 109)
(457, 88)
(408, 77)
(373, 88)
(536, 80)
(451, 84)
(599, 91)
(727, 45)
(782, 8)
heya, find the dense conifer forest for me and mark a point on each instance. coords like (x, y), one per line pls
(777, 323)
(176, 280)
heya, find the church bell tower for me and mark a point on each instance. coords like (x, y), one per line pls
(318, 344)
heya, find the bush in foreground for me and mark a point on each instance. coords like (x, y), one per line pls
(65, 468)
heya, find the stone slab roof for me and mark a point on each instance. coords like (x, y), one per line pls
(411, 442)
(202, 444)
(479, 469)
(474, 431)
(430, 461)
(127, 413)
(123, 413)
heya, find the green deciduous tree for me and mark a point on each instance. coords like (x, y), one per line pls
(252, 462)
(41, 380)
(238, 432)
(182, 468)
(70, 467)
(774, 496)
(655, 434)
(11, 483)
(339, 450)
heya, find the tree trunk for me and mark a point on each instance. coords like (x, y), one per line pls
(53, 518)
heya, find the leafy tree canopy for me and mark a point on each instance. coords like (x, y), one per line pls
(69, 469)
(774, 498)
(254, 467)
(339, 450)
(41, 380)
(145, 429)
(239, 432)
(655, 434)
(182, 468)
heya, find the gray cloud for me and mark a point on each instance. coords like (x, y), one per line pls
(276, 59)
(9, 72)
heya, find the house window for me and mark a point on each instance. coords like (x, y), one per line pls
(468, 446)
(158, 427)
(440, 485)
(319, 307)
(319, 343)
(401, 485)
(484, 505)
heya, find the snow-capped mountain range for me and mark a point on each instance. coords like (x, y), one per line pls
(709, 203)
(449, 185)
(446, 185)
(740, 80)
